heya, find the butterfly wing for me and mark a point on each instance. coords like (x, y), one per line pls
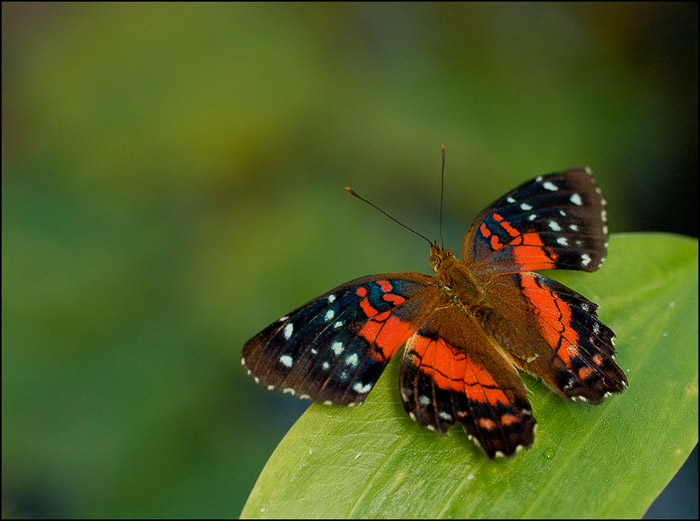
(452, 372)
(334, 348)
(553, 221)
(553, 332)
(548, 330)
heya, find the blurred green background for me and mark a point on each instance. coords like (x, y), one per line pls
(172, 182)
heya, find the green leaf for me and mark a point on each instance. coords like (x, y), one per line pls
(609, 460)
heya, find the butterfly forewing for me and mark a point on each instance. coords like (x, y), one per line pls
(334, 348)
(553, 221)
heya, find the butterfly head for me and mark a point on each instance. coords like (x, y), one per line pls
(438, 256)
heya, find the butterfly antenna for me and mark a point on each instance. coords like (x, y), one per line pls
(442, 191)
(352, 192)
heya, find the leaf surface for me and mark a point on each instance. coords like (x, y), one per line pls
(609, 460)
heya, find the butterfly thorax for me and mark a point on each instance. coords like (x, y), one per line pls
(458, 280)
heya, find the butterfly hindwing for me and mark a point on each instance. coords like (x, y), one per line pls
(452, 372)
(553, 221)
(554, 333)
(334, 348)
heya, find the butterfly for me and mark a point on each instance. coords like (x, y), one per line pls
(467, 328)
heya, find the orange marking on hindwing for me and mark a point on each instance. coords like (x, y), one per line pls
(486, 423)
(482, 385)
(509, 419)
(554, 319)
(568, 353)
(450, 374)
(455, 371)
(585, 373)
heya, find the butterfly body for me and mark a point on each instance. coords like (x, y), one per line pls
(467, 327)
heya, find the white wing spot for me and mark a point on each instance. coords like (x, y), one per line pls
(562, 241)
(562, 213)
(283, 318)
(286, 360)
(539, 179)
(288, 329)
(331, 298)
(362, 388)
(445, 416)
(329, 315)
(338, 324)
(532, 217)
(424, 400)
(576, 199)
(585, 259)
(352, 360)
(510, 200)
(337, 347)
(313, 351)
(573, 227)
(554, 226)
(525, 207)
(550, 186)
(288, 391)
(325, 366)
